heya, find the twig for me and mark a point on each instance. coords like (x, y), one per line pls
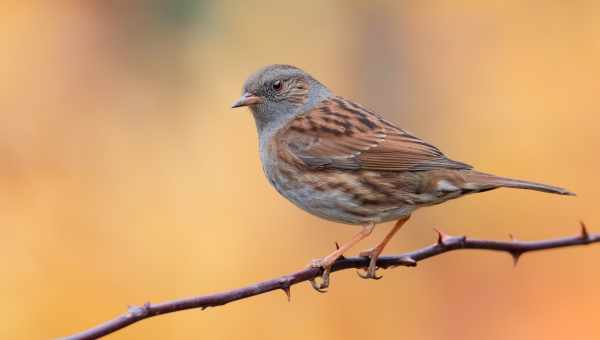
(445, 243)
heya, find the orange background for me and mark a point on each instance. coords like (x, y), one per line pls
(126, 178)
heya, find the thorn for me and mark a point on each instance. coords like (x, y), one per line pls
(512, 237)
(337, 247)
(516, 256)
(408, 261)
(584, 232)
(286, 283)
(442, 237)
(139, 310)
(288, 293)
(203, 307)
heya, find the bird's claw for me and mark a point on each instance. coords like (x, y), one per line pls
(369, 274)
(371, 271)
(322, 284)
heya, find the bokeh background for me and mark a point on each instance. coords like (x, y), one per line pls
(126, 178)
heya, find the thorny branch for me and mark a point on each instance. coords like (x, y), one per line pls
(445, 243)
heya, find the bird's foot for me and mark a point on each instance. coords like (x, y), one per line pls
(321, 283)
(327, 262)
(371, 271)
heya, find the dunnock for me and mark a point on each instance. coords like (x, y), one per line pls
(339, 161)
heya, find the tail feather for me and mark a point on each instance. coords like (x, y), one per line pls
(481, 181)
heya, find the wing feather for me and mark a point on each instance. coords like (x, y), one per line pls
(344, 135)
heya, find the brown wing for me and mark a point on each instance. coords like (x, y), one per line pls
(343, 135)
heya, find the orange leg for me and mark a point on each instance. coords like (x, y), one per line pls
(374, 253)
(328, 260)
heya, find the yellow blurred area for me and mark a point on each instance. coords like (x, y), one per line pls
(126, 178)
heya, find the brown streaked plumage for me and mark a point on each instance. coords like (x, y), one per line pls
(339, 134)
(340, 161)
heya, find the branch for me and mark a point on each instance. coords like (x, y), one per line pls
(444, 244)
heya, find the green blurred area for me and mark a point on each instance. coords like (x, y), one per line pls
(126, 178)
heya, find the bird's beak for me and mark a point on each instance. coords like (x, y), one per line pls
(247, 99)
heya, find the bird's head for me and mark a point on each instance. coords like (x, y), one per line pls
(277, 93)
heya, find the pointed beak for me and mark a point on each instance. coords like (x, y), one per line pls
(247, 99)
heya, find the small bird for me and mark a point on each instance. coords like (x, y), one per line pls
(342, 162)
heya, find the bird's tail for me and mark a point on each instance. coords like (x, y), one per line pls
(480, 181)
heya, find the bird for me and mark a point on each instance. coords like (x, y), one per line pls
(342, 162)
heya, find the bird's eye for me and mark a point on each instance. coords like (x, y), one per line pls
(277, 85)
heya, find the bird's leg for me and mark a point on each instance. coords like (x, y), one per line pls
(374, 252)
(327, 262)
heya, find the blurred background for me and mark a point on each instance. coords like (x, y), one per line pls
(126, 178)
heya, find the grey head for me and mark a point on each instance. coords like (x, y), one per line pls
(277, 93)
